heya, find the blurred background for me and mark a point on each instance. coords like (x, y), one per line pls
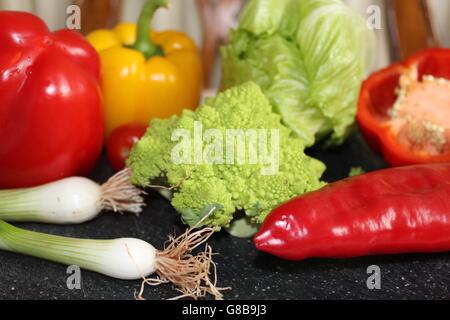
(406, 25)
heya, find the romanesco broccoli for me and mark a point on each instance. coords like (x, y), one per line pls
(213, 172)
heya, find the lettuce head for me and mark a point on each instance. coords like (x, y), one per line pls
(308, 56)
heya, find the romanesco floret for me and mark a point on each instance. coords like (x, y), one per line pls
(232, 154)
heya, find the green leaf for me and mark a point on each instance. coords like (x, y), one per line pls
(243, 228)
(356, 171)
(192, 217)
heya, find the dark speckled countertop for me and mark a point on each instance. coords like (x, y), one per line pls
(251, 274)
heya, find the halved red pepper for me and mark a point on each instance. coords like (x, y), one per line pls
(409, 140)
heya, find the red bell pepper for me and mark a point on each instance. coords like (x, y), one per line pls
(51, 117)
(410, 126)
(398, 210)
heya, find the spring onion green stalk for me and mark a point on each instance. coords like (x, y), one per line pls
(121, 258)
(71, 201)
(126, 258)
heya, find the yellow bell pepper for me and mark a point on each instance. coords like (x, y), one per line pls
(146, 74)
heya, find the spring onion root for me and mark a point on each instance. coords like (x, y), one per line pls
(71, 201)
(126, 258)
(189, 273)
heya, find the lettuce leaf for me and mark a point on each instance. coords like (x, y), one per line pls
(308, 56)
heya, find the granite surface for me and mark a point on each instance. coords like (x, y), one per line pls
(252, 275)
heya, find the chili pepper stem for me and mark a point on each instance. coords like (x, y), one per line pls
(144, 43)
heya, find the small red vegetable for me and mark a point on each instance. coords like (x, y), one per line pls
(404, 110)
(121, 142)
(51, 117)
(399, 210)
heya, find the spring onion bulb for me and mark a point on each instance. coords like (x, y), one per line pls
(71, 201)
(126, 258)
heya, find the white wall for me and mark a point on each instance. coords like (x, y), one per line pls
(440, 12)
(52, 11)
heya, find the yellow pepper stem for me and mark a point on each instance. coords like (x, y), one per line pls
(144, 43)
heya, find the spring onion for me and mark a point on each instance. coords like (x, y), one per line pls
(71, 201)
(126, 258)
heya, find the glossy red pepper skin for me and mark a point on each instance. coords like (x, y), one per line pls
(400, 210)
(377, 96)
(51, 117)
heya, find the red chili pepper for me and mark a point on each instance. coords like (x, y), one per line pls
(400, 210)
(418, 131)
(51, 117)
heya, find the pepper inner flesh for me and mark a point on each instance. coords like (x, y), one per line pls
(420, 118)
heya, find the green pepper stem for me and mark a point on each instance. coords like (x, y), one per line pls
(144, 43)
